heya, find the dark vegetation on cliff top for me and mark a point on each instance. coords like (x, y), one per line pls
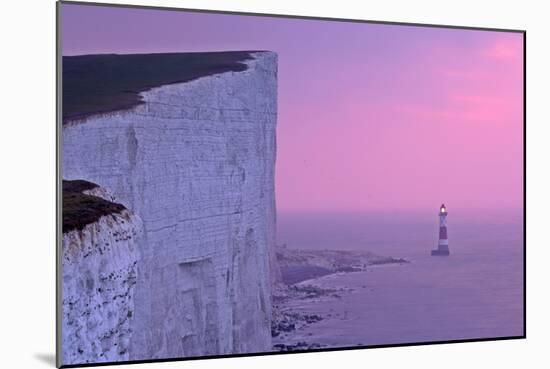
(80, 209)
(94, 84)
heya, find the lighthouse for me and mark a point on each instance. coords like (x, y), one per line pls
(443, 244)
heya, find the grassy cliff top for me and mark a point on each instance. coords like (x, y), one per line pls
(95, 84)
(80, 209)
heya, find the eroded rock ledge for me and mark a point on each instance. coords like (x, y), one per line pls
(299, 265)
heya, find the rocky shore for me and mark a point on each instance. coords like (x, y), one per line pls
(300, 265)
(301, 271)
(285, 322)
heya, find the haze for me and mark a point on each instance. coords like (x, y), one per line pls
(371, 117)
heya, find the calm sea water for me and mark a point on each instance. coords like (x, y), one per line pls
(477, 292)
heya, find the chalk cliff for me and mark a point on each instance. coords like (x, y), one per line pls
(195, 162)
(98, 276)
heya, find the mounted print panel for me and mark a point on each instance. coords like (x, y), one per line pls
(240, 184)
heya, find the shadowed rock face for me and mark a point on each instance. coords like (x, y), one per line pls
(195, 162)
(95, 84)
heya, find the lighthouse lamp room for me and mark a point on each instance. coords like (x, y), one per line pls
(443, 243)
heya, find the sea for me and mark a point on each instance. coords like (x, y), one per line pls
(475, 293)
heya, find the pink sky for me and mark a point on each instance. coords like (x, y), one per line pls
(371, 117)
(442, 124)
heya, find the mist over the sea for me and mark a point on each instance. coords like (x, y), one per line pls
(474, 293)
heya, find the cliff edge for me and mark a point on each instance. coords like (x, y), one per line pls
(195, 162)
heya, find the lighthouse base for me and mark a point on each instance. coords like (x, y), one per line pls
(441, 252)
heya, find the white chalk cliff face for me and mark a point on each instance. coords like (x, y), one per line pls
(196, 163)
(99, 277)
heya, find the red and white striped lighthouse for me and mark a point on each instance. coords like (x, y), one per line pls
(443, 244)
